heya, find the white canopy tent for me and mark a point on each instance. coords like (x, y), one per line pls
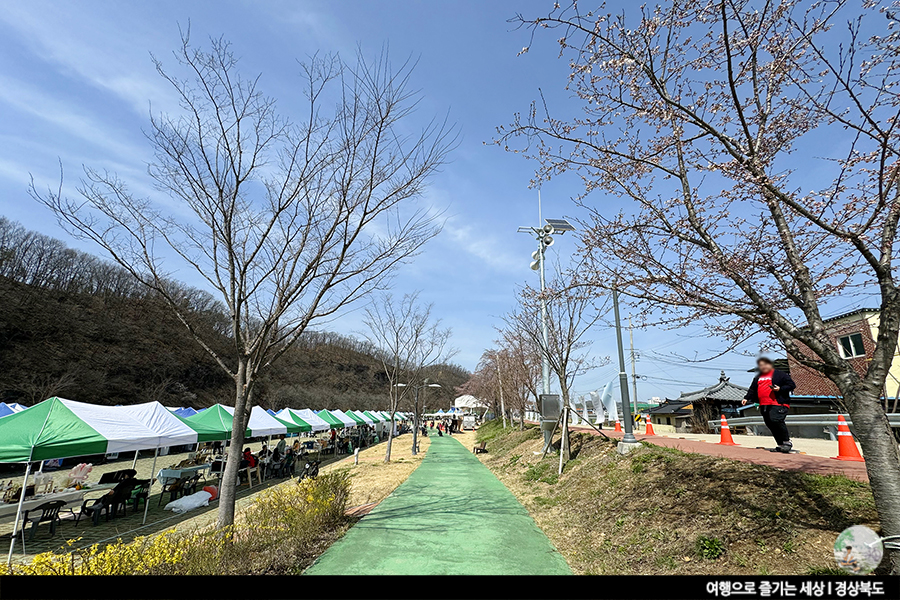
(261, 423)
(159, 419)
(468, 402)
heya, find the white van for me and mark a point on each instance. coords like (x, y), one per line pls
(468, 422)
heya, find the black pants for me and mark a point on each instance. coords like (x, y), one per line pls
(774, 416)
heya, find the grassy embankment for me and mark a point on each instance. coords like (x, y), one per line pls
(663, 511)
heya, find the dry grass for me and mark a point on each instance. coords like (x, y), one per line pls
(661, 511)
(373, 480)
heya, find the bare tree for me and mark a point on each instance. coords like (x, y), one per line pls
(708, 119)
(483, 383)
(571, 313)
(40, 387)
(519, 358)
(409, 342)
(287, 222)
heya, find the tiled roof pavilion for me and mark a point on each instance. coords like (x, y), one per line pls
(723, 390)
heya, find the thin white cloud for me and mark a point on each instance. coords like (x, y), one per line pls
(77, 41)
(487, 248)
(62, 115)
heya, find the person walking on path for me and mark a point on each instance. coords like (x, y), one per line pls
(771, 389)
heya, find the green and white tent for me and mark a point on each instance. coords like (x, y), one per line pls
(358, 413)
(60, 428)
(348, 420)
(315, 422)
(378, 418)
(294, 423)
(333, 421)
(216, 423)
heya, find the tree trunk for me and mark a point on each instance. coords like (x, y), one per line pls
(387, 454)
(882, 455)
(564, 434)
(522, 419)
(415, 435)
(228, 489)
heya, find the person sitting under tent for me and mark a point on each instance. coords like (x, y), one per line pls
(249, 460)
(111, 500)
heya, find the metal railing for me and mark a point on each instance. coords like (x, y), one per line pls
(828, 422)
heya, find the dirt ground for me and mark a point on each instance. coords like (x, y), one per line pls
(373, 480)
(662, 511)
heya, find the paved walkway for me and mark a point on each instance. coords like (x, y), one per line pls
(813, 447)
(818, 465)
(451, 517)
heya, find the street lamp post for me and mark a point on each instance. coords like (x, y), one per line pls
(545, 240)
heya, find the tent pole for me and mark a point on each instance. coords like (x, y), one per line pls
(150, 487)
(134, 462)
(12, 541)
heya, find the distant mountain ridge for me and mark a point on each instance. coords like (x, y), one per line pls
(77, 326)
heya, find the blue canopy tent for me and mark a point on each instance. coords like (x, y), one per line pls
(5, 411)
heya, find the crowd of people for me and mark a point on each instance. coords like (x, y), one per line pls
(274, 461)
(447, 426)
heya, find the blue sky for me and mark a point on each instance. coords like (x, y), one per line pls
(77, 83)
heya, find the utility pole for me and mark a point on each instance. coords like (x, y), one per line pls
(633, 359)
(629, 442)
(500, 385)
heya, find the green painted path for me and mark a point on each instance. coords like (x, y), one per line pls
(451, 517)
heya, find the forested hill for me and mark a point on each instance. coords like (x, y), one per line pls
(80, 327)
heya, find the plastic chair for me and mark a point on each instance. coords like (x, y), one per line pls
(49, 514)
(140, 492)
(110, 503)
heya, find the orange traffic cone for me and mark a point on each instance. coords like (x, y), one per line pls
(648, 428)
(618, 426)
(847, 449)
(726, 439)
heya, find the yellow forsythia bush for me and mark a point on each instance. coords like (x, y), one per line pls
(282, 531)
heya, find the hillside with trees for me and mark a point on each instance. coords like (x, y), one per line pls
(77, 326)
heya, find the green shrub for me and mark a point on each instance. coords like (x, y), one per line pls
(542, 501)
(542, 472)
(710, 548)
(535, 472)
